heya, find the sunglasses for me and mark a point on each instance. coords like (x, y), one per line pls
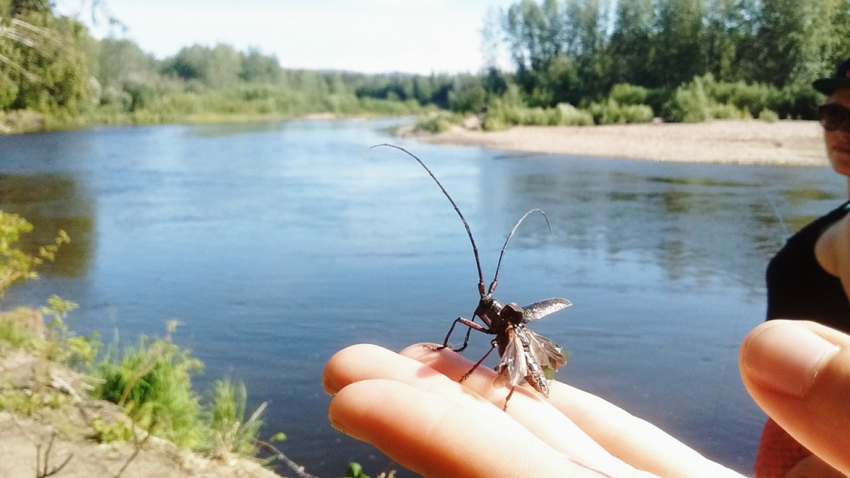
(834, 117)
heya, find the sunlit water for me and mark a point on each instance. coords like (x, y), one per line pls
(275, 245)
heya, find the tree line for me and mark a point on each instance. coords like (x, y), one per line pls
(52, 67)
(575, 51)
(591, 61)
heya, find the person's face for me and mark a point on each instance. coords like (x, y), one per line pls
(838, 141)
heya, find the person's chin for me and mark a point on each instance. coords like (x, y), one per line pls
(842, 168)
(840, 160)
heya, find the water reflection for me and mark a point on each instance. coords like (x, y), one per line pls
(52, 202)
(693, 227)
(234, 129)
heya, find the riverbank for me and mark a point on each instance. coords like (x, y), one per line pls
(62, 431)
(782, 143)
(49, 422)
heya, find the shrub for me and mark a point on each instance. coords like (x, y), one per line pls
(438, 123)
(612, 112)
(569, 115)
(689, 103)
(636, 113)
(12, 330)
(229, 432)
(533, 117)
(493, 122)
(626, 94)
(113, 99)
(703, 99)
(15, 264)
(727, 111)
(768, 116)
(153, 382)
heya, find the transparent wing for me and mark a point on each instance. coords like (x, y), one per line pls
(543, 308)
(513, 361)
(546, 352)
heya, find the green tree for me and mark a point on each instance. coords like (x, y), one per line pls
(534, 34)
(678, 46)
(631, 44)
(117, 62)
(783, 42)
(468, 95)
(586, 29)
(217, 67)
(729, 39)
(42, 61)
(23, 7)
(259, 68)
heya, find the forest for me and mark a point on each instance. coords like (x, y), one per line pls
(549, 62)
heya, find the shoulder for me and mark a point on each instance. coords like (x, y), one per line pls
(833, 249)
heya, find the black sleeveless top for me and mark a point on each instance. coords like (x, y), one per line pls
(797, 286)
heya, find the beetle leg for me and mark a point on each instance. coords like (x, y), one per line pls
(466, 322)
(467, 374)
(505, 408)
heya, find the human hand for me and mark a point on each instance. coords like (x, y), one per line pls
(799, 373)
(410, 406)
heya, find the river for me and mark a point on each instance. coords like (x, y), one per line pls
(277, 244)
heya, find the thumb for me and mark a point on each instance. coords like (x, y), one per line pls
(799, 374)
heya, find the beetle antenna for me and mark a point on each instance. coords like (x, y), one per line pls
(499, 265)
(457, 210)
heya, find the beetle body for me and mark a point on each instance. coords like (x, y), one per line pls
(524, 355)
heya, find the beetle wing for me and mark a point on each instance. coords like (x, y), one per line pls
(546, 352)
(513, 361)
(543, 308)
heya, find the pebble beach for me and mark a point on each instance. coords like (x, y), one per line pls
(781, 143)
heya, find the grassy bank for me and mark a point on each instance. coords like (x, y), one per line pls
(125, 395)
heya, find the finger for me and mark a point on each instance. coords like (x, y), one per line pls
(364, 362)
(799, 373)
(630, 439)
(433, 436)
(527, 407)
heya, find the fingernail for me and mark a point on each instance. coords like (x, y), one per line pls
(786, 357)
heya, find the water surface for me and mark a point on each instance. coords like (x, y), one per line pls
(277, 244)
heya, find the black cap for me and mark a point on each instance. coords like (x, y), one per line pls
(840, 80)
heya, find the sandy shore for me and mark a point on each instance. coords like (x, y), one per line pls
(783, 143)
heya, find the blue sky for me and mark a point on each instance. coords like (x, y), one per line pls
(414, 36)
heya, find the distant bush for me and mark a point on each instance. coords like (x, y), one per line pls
(612, 112)
(569, 115)
(689, 104)
(727, 111)
(115, 99)
(438, 123)
(494, 123)
(768, 116)
(704, 99)
(626, 94)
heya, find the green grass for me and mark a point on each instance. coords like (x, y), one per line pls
(153, 382)
(229, 432)
(13, 333)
